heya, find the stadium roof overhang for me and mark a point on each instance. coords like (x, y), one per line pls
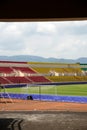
(18, 10)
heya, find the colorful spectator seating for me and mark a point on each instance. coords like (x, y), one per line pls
(24, 69)
(40, 79)
(5, 69)
(67, 78)
(35, 72)
(4, 80)
(18, 80)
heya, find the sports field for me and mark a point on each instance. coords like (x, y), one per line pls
(73, 90)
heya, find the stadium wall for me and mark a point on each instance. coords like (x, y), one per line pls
(43, 97)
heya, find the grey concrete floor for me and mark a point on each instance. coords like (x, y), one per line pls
(43, 120)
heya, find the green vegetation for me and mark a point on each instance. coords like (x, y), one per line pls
(76, 90)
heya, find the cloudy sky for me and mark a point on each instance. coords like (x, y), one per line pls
(66, 39)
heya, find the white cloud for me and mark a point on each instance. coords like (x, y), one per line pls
(46, 27)
(47, 39)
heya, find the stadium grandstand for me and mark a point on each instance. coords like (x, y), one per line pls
(40, 72)
(61, 72)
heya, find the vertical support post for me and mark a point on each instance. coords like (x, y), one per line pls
(39, 92)
(55, 90)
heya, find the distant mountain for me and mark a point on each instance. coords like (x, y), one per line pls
(82, 60)
(31, 58)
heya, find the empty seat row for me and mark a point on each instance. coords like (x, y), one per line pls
(18, 80)
(38, 79)
(9, 70)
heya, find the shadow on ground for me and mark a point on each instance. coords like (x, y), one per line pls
(10, 124)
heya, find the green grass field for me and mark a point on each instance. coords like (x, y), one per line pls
(74, 90)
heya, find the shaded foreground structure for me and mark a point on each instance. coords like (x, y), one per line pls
(40, 120)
